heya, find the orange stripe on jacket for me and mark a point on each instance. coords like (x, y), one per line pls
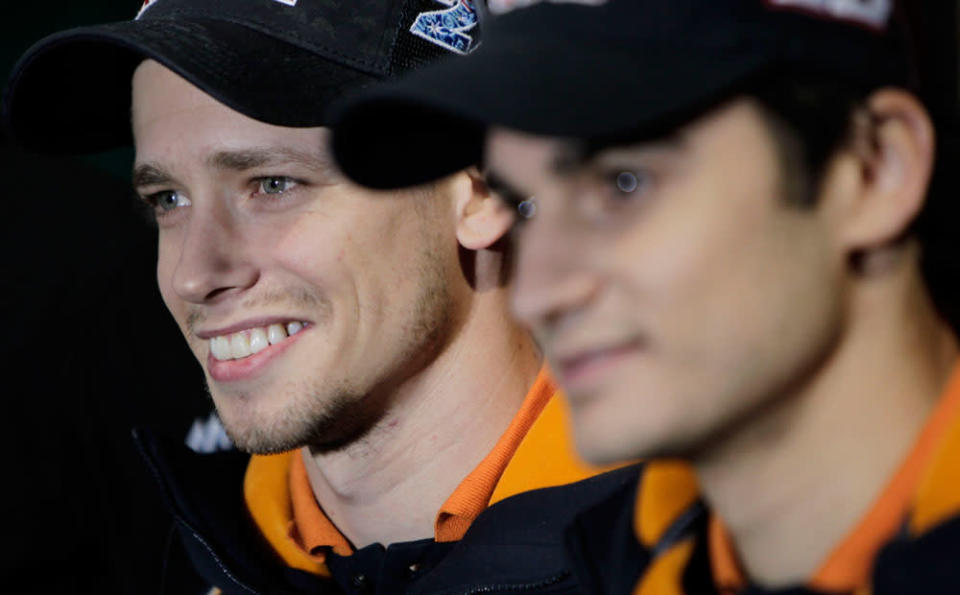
(926, 483)
(535, 451)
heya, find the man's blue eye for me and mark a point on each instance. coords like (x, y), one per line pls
(168, 200)
(276, 184)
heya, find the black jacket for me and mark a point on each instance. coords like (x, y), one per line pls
(515, 546)
(608, 559)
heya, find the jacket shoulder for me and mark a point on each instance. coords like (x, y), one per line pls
(518, 543)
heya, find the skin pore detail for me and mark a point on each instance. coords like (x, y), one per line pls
(704, 315)
(374, 326)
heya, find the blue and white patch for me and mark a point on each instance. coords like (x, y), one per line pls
(448, 28)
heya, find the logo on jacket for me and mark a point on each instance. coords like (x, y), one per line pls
(873, 13)
(208, 436)
(448, 28)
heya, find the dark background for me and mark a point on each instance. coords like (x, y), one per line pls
(89, 351)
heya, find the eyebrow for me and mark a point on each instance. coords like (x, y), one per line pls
(154, 174)
(247, 159)
(151, 174)
(504, 189)
(570, 158)
(592, 153)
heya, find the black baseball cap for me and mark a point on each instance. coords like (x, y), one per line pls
(277, 61)
(595, 69)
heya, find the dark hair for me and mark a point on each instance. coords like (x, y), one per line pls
(811, 117)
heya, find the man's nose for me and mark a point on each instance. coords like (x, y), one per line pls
(214, 259)
(550, 279)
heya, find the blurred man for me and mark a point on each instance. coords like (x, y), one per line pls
(364, 336)
(727, 247)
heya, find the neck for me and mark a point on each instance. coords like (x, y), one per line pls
(796, 481)
(442, 422)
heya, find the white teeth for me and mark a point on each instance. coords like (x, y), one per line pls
(246, 343)
(239, 346)
(276, 333)
(258, 340)
(220, 347)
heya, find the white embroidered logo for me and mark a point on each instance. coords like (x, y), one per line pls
(503, 6)
(208, 436)
(873, 13)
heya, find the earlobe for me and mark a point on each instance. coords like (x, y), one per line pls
(482, 218)
(895, 150)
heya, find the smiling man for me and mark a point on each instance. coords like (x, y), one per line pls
(358, 342)
(731, 247)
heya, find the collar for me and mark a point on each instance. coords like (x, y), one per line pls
(923, 491)
(278, 497)
(665, 510)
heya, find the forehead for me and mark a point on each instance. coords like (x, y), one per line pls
(172, 120)
(730, 124)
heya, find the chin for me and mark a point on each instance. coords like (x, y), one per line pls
(601, 442)
(616, 435)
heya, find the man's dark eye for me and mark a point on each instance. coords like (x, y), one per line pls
(629, 182)
(526, 209)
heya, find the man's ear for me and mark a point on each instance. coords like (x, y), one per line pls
(482, 218)
(889, 162)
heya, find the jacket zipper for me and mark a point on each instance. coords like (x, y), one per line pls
(517, 587)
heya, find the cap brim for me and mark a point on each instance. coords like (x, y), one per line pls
(71, 91)
(432, 123)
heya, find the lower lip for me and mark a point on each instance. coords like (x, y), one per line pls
(234, 370)
(588, 371)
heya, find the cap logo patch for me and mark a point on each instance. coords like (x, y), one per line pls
(873, 13)
(504, 6)
(448, 28)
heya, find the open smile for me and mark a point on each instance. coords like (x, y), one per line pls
(242, 354)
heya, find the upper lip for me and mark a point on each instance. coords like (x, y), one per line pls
(566, 357)
(246, 325)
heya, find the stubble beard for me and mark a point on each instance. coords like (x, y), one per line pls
(331, 415)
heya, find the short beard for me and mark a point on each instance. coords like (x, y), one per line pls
(345, 419)
(330, 419)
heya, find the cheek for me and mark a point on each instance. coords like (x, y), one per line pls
(168, 256)
(351, 259)
(311, 256)
(724, 272)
